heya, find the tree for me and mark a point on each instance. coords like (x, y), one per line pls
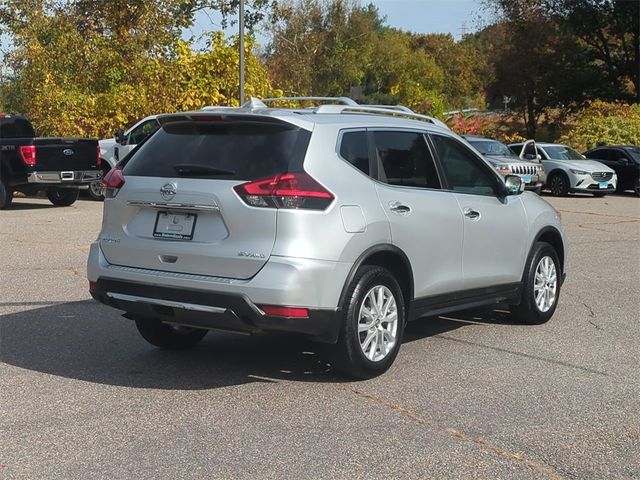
(325, 47)
(538, 66)
(464, 66)
(92, 67)
(608, 32)
(321, 48)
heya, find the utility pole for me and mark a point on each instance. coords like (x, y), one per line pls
(241, 28)
(463, 30)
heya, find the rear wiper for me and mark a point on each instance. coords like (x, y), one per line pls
(198, 169)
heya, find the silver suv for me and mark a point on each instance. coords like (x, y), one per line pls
(339, 222)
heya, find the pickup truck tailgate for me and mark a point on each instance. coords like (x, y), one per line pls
(61, 154)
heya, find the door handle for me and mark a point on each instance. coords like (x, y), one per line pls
(399, 208)
(471, 213)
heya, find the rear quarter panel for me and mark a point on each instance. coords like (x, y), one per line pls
(333, 234)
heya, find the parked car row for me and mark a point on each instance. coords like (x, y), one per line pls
(561, 169)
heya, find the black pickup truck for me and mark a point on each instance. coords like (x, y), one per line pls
(59, 166)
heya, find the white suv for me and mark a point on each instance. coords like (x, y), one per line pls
(567, 170)
(340, 222)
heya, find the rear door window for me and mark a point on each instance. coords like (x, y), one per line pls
(232, 150)
(404, 159)
(354, 149)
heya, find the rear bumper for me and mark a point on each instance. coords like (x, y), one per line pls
(213, 310)
(70, 177)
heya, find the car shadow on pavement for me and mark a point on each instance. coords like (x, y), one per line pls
(18, 205)
(90, 342)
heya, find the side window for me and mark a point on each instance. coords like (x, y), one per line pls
(529, 150)
(141, 132)
(404, 159)
(541, 153)
(464, 171)
(353, 148)
(601, 154)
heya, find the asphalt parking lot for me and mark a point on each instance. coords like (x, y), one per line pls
(470, 395)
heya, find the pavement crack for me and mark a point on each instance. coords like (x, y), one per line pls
(456, 434)
(521, 354)
(592, 315)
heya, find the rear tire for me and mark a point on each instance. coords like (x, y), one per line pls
(95, 188)
(168, 336)
(541, 286)
(373, 318)
(559, 185)
(63, 197)
(6, 196)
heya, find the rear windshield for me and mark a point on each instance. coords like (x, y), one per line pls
(15, 127)
(230, 150)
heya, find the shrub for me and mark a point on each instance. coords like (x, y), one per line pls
(602, 123)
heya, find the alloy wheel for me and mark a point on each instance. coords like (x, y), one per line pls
(545, 285)
(378, 323)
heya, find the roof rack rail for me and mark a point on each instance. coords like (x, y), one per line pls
(342, 100)
(399, 108)
(382, 110)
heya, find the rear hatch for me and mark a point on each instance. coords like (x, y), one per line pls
(62, 154)
(177, 210)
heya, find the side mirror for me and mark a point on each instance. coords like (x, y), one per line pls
(623, 160)
(120, 137)
(514, 185)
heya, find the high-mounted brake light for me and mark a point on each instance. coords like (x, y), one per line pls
(287, 312)
(112, 182)
(206, 118)
(28, 154)
(5, 115)
(287, 190)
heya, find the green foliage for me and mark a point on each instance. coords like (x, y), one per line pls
(325, 47)
(603, 123)
(465, 69)
(99, 67)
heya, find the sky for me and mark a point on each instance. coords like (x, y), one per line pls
(419, 16)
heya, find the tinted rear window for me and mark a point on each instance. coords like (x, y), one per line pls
(15, 127)
(232, 150)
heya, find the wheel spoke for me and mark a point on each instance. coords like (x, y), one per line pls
(367, 341)
(374, 345)
(372, 301)
(380, 300)
(364, 327)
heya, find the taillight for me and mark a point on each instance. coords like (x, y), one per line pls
(98, 159)
(28, 154)
(112, 182)
(93, 287)
(287, 190)
(288, 312)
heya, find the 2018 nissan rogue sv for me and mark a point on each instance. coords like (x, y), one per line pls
(338, 222)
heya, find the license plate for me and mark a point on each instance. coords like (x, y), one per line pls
(604, 184)
(176, 226)
(526, 179)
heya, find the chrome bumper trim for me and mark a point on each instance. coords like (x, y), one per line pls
(70, 176)
(166, 303)
(191, 207)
